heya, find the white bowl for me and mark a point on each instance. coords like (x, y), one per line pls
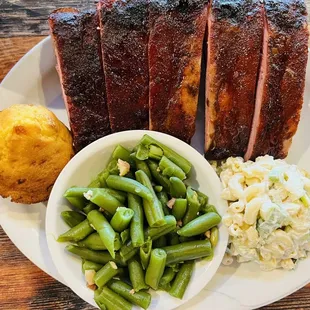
(84, 167)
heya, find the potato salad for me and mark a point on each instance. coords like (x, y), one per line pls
(268, 217)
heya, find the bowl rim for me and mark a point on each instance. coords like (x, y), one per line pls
(96, 147)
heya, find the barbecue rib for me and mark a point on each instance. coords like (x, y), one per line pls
(177, 29)
(281, 83)
(77, 47)
(235, 31)
(124, 38)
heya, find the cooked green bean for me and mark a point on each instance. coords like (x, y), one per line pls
(90, 207)
(145, 253)
(100, 304)
(155, 152)
(121, 153)
(200, 225)
(94, 183)
(158, 188)
(174, 238)
(177, 188)
(142, 165)
(186, 239)
(179, 208)
(203, 199)
(136, 225)
(162, 180)
(167, 277)
(165, 287)
(141, 298)
(112, 167)
(112, 300)
(214, 238)
(104, 229)
(76, 233)
(183, 163)
(160, 242)
(100, 257)
(106, 273)
(119, 195)
(182, 279)
(72, 218)
(88, 265)
(94, 242)
(121, 219)
(128, 251)
(152, 208)
(136, 275)
(142, 152)
(125, 235)
(187, 251)
(163, 198)
(208, 208)
(129, 186)
(156, 232)
(193, 206)
(156, 267)
(171, 169)
(77, 202)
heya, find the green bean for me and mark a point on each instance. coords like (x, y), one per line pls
(156, 232)
(100, 304)
(88, 265)
(136, 275)
(142, 165)
(155, 152)
(170, 169)
(187, 251)
(77, 232)
(152, 208)
(105, 274)
(95, 183)
(177, 188)
(163, 198)
(179, 208)
(113, 167)
(193, 206)
(125, 235)
(160, 242)
(184, 164)
(136, 225)
(77, 202)
(156, 267)
(167, 277)
(121, 153)
(142, 152)
(186, 239)
(158, 188)
(121, 219)
(141, 298)
(112, 301)
(214, 237)
(129, 186)
(100, 257)
(102, 177)
(162, 180)
(104, 229)
(175, 267)
(203, 199)
(182, 280)
(119, 195)
(145, 253)
(165, 287)
(128, 251)
(94, 242)
(200, 225)
(90, 207)
(72, 218)
(208, 208)
(174, 238)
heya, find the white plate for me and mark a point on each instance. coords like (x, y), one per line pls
(34, 80)
(85, 166)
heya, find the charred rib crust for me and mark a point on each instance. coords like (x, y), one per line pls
(175, 51)
(77, 44)
(234, 47)
(124, 38)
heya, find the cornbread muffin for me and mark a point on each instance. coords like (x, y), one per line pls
(34, 148)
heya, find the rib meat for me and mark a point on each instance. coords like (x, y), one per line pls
(177, 29)
(124, 39)
(235, 30)
(77, 47)
(281, 83)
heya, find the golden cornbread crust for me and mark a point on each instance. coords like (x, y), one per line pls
(34, 148)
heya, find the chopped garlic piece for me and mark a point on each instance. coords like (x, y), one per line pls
(89, 276)
(208, 234)
(180, 223)
(88, 195)
(132, 291)
(170, 203)
(123, 167)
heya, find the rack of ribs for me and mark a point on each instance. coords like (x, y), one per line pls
(124, 39)
(281, 82)
(77, 48)
(235, 31)
(177, 29)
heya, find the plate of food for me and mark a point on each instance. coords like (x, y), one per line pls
(128, 66)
